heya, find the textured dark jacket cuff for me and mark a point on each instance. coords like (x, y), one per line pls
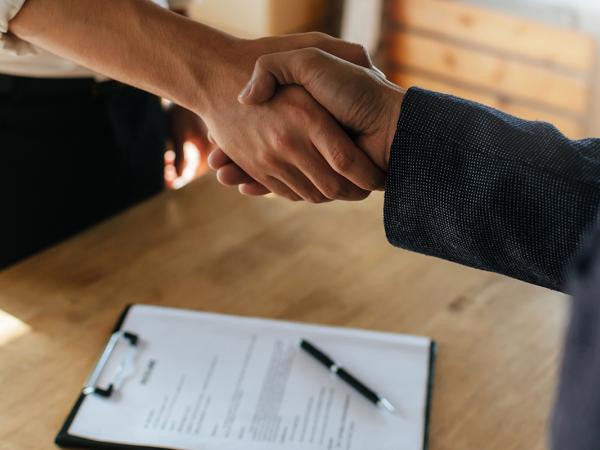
(476, 186)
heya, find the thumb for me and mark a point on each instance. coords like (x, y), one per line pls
(260, 88)
(294, 67)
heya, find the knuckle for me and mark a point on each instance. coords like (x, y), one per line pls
(360, 195)
(317, 37)
(313, 57)
(361, 52)
(266, 158)
(316, 198)
(300, 107)
(373, 185)
(281, 140)
(312, 195)
(260, 62)
(304, 114)
(336, 191)
(313, 53)
(341, 160)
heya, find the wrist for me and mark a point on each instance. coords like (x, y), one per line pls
(394, 97)
(221, 69)
(199, 61)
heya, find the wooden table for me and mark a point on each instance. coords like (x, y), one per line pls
(208, 248)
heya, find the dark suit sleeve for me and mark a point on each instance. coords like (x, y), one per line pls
(473, 185)
(576, 418)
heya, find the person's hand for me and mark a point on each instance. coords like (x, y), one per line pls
(186, 126)
(291, 146)
(358, 97)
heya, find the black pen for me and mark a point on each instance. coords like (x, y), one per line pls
(346, 376)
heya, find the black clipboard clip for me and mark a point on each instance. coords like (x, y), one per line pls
(90, 386)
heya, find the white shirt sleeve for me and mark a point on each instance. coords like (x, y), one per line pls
(8, 42)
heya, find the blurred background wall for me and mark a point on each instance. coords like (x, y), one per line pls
(583, 15)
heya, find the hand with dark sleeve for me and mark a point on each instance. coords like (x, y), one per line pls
(465, 182)
(473, 185)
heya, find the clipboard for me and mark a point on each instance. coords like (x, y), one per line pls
(66, 440)
(91, 388)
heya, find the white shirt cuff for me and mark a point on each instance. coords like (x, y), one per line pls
(8, 42)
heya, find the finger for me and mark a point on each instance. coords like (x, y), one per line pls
(253, 189)
(339, 188)
(301, 185)
(326, 180)
(218, 159)
(280, 189)
(232, 175)
(300, 67)
(348, 51)
(342, 154)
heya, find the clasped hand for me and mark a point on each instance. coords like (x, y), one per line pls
(327, 120)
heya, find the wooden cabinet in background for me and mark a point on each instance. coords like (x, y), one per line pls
(528, 69)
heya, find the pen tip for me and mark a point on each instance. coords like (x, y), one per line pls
(387, 405)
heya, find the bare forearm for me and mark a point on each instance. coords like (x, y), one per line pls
(204, 70)
(133, 41)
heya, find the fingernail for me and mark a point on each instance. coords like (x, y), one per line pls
(246, 91)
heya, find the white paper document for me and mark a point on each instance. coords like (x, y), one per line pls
(204, 381)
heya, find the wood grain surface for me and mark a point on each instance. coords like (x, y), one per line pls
(488, 71)
(207, 248)
(504, 33)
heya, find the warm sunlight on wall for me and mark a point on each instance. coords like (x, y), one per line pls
(11, 328)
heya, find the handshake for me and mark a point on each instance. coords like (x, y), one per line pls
(313, 123)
